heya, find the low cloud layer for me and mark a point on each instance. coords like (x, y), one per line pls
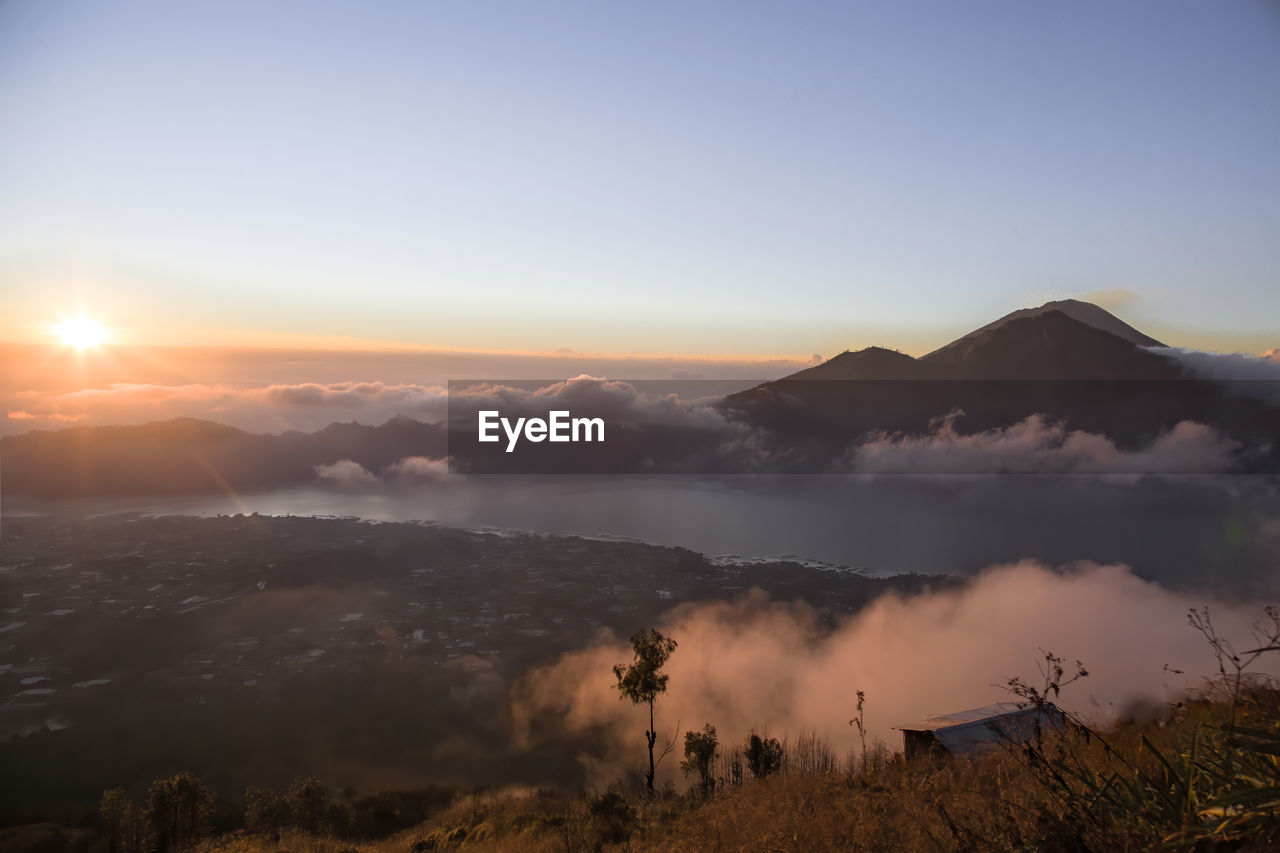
(274, 390)
(756, 664)
(680, 426)
(700, 438)
(1037, 446)
(620, 403)
(1227, 366)
(267, 408)
(348, 474)
(418, 469)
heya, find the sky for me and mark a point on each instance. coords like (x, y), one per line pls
(748, 179)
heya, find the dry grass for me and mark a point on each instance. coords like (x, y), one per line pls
(999, 801)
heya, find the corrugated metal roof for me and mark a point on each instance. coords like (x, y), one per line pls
(965, 731)
(956, 718)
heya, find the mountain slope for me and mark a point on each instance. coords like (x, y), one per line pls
(1036, 343)
(1082, 312)
(1046, 345)
(1036, 362)
(869, 363)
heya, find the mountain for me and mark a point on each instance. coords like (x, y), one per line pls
(869, 363)
(1049, 342)
(1068, 361)
(1045, 361)
(191, 456)
(1081, 312)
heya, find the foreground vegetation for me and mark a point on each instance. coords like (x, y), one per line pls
(1204, 776)
(1186, 782)
(1201, 775)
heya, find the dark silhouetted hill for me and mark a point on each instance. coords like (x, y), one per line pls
(190, 456)
(869, 363)
(1082, 312)
(1046, 345)
(1070, 361)
(1040, 343)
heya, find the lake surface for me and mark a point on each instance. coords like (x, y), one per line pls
(1197, 531)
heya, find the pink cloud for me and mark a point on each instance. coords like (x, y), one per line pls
(20, 415)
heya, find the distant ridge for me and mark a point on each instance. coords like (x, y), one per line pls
(191, 456)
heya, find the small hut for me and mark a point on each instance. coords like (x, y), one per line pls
(966, 732)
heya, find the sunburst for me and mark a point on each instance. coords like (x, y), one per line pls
(80, 332)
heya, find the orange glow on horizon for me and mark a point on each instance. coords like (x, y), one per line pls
(302, 343)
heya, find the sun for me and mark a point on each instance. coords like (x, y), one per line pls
(80, 332)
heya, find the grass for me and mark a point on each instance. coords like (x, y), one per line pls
(1205, 778)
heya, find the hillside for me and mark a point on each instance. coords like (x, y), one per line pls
(1082, 312)
(189, 456)
(1046, 343)
(1095, 374)
(1200, 776)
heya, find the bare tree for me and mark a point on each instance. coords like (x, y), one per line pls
(643, 681)
(860, 722)
(1266, 634)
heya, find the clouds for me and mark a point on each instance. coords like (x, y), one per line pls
(634, 402)
(621, 403)
(1112, 299)
(1242, 374)
(267, 408)
(357, 395)
(346, 473)
(650, 427)
(310, 406)
(668, 426)
(417, 469)
(1037, 446)
(1227, 366)
(759, 664)
(671, 433)
(682, 426)
(302, 389)
(55, 417)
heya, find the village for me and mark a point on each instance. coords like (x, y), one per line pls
(242, 602)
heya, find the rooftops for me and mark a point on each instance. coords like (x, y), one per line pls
(956, 718)
(963, 732)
